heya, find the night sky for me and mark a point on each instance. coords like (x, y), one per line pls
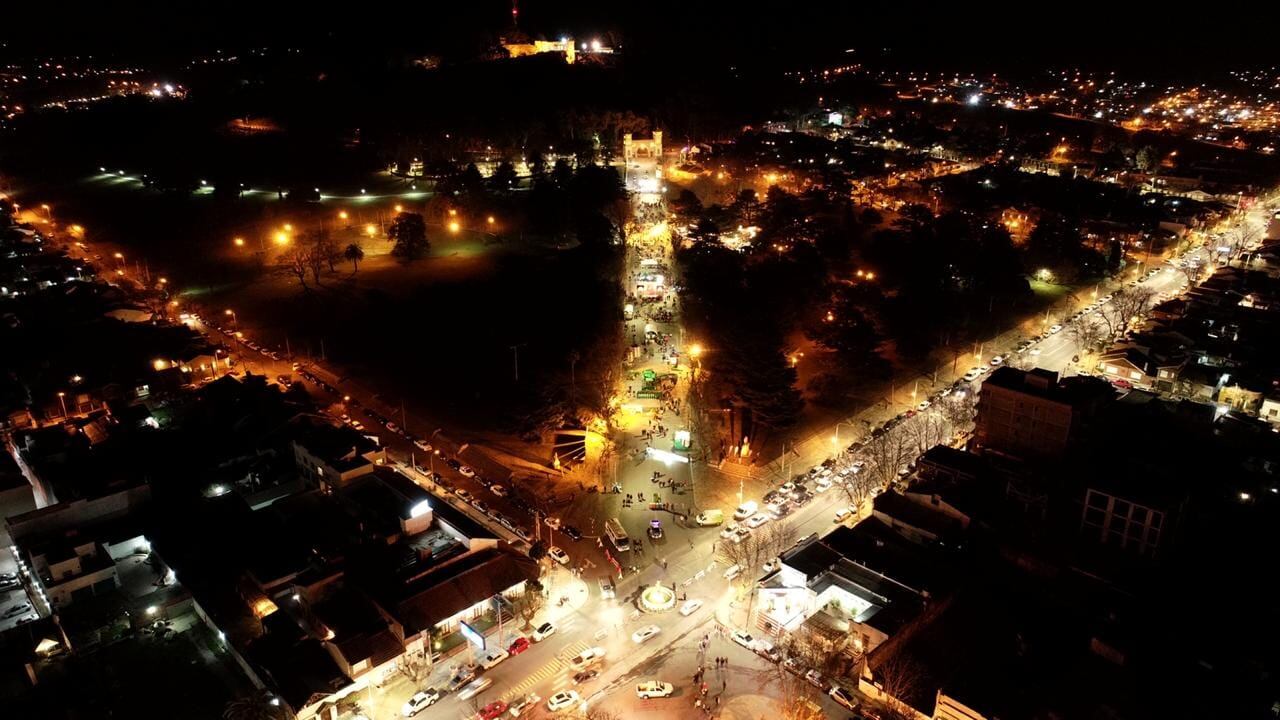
(962, 35)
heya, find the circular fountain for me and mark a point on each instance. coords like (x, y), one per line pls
(657, 598)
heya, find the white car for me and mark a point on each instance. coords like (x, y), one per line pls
(1035, 351)
(558, 555)
(745, 510)
(742, 638)
(552, 522)
(740, 534)
(843, 697)
(843, 514)
(924, 405)
(771, 565)
(494, 657)
(563, 700)
(419, 702)
(464, 495)
(543, 631)
(729, 531)
(690, 607)
(587, 658)
(733, 572)
(474, 688)
(1055, 329)
(997, 360)
(974, 374)
(466, 471)
(645, 633)
(824, 484)
(757, 520)
(654, 688)
(499, 490)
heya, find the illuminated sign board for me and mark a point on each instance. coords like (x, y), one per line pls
(472, 636)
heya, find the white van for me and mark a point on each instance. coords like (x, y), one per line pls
(733, 572)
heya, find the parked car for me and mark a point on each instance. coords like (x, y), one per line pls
(464, 675)
(518, 646)
(422, 445)
(493, 710)
(466, 471)
(543, 631)
(574, 533)
(420, 701)
(745, 510)
(523, 705)
(815, 679)
(742, 638)
(584, 676)
(757, 520)
(844, 697)
(843, 514)
(732, 572)
(558, 555)
(654, 688)
(607, 590)
(552, 522)
(493, 657)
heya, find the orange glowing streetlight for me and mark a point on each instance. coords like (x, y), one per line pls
(399, 208)
(342, 215)
(281, 238)
(239, 242)
(288, 228)
(370, 230)
(490, 220)
(454, 226)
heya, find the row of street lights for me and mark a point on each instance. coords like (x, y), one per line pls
(284, 236)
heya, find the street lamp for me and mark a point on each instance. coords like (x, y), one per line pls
(282, 238)
(62, 398)
(239, 242)
(370, 230)
(235, 321)
(454, 226)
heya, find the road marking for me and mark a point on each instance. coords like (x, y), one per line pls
(573, 650)
(538, 676)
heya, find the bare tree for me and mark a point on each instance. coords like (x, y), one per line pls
(528, 603)
(1130, 304)
(416, 665)
(959, 409)
(1086, 333)
(296, 262)
(886, 454)
(899, 679)
(797, 696)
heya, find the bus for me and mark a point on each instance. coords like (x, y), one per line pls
(613, 530)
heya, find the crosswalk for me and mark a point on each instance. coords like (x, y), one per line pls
(558, 666)
(573, 650)
(554, 667)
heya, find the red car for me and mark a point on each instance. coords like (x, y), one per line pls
(493, 710)
(518, 646)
